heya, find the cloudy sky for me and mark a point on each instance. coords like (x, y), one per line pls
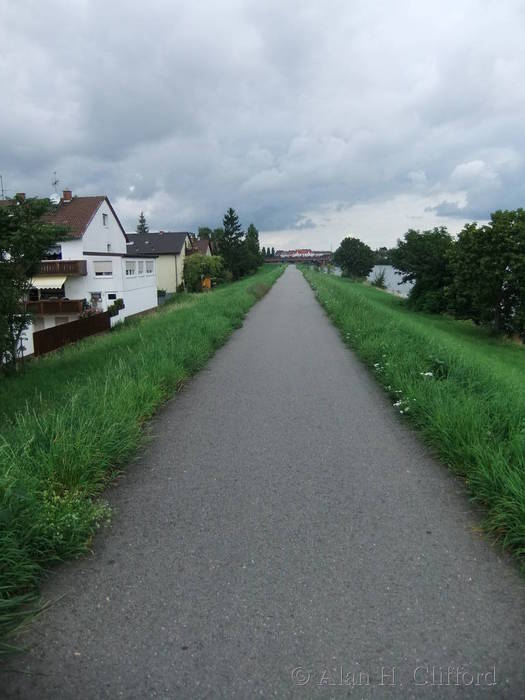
(313, 119)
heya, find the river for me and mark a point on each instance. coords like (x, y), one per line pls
(392, 279)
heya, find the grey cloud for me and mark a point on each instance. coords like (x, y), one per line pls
(278, 109)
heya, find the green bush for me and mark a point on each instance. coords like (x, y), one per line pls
(198, 266)
(379, 280)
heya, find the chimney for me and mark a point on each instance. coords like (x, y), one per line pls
(21, 196)
(66, 195)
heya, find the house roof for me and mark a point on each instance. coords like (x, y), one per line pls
(78, 213)
(202, 245)
(159, 243)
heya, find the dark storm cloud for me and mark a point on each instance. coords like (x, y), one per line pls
(294, 113)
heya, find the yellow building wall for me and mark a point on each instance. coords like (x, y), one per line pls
(166, 273)
(170, 271)
(180, 265)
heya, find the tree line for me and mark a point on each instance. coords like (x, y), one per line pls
(268, 252)
(478, 274)
(235, 253)
(239, 250)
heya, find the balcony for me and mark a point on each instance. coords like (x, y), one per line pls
(55, 306)
(70, 268)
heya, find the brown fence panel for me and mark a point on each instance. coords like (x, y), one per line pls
(53, 338)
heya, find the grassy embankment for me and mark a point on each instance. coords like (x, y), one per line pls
(463, 389)
(74, 417)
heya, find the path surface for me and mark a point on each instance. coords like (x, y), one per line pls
(284, 516)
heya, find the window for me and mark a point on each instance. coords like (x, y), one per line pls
(54, 253)
(112, 296)
(103, 268)
(96, 298)
(130, 268)
(149, 267)
(104, 219)
(141, 267)
(108, 248)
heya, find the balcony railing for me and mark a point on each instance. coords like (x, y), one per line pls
(55, 306)
(63, 267)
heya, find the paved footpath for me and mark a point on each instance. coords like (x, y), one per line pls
(283, 517)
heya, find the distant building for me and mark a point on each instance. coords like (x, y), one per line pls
(302, 253)
(200, 245)
(170, 247)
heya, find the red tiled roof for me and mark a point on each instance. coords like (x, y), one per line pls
(78, 213)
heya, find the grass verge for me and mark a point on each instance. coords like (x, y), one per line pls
(464, 390)
(74, 417)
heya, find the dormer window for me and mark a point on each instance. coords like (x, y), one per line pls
(104, 219)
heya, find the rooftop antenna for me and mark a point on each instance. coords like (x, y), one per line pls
(2, 187)
(54, 197)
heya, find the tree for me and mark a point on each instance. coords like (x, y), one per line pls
(205, 233)
(488, 265)
(252, 258)
(198, 266)
(230, 243)
(354, 257)
(25, 236)
(382, 256)
(424, 258)
(142, 226)
(215, 238)
(263, 252)
(273, 252)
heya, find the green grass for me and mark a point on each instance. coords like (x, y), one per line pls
(463, 389)
(74, 417)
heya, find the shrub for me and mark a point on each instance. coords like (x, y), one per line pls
(379, 280)
(198, 266)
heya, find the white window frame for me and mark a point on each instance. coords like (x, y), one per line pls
(151, 265)
(140, 268)
(131, 268)
(104, 220)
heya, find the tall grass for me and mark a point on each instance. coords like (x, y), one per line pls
(464, 390)
(74, 417)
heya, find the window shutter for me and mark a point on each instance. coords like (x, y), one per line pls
(103, 267)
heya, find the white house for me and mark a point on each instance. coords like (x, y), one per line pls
(92, 268)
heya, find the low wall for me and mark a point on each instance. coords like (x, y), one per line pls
(54, 338)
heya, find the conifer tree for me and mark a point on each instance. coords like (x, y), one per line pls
(252, 255)
(142, 226)
(231, 243)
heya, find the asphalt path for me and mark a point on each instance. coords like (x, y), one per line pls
(283, 534)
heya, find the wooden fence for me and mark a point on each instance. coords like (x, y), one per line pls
(53, 338)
